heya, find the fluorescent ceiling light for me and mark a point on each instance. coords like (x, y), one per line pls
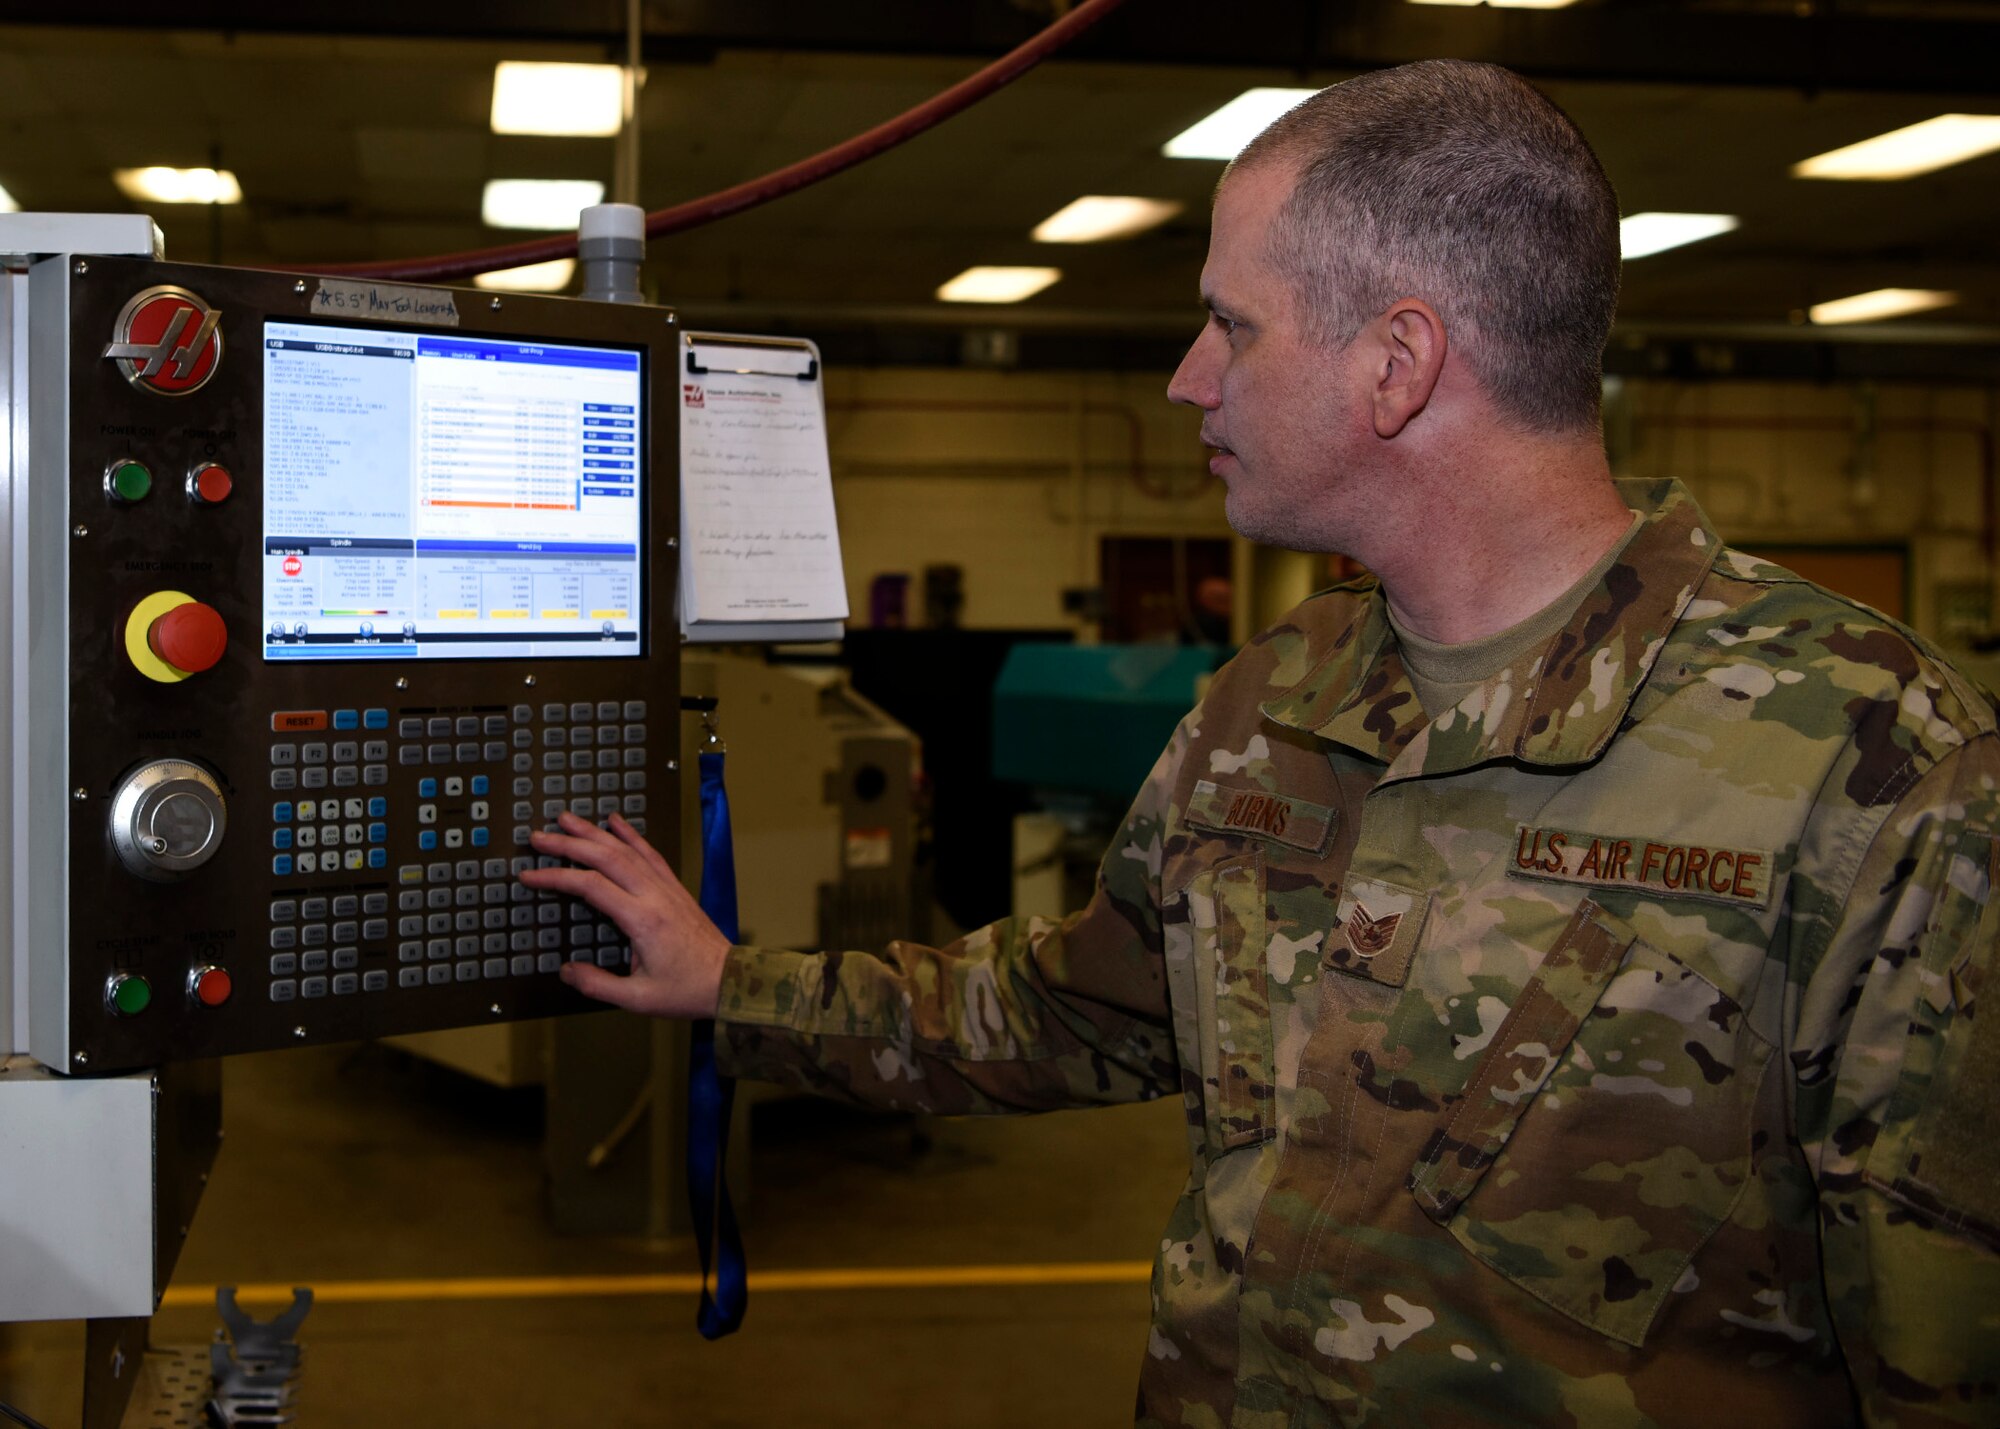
(1224, 133)
(997, 285)
(1882, 303)
(1904, 153)
(1447, 2)
(8, 203)
(537, 203)
(1640, 234)
(557, 98)
(162, 185)
(550, 277)
(1529, 4)
(1095, 218)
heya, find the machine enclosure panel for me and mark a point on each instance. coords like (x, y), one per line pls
(96, 717)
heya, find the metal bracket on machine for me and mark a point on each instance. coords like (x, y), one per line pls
(255, 1362)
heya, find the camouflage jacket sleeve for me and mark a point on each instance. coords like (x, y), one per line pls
(1023, 1015)
(1897, 1067)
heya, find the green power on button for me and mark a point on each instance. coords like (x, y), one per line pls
(130, 481)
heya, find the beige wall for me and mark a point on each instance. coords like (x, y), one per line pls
(1016, 476)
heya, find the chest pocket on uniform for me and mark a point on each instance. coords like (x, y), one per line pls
(1605, 1134)
(1226, 918)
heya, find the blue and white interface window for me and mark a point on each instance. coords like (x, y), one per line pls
(446, 496)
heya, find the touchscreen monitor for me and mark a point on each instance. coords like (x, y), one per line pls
(444, 496)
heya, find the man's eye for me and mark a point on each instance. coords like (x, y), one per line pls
(1228, 325)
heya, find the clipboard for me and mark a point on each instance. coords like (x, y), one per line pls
(760, 542)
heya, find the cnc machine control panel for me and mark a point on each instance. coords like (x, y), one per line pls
(339, 590)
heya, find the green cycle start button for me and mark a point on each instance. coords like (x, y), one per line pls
(130, 994)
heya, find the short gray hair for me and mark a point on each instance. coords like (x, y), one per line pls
(1460, 184)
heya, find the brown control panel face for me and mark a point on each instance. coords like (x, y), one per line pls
(356, 603)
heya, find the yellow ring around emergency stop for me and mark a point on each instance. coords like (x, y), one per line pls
(140, 623)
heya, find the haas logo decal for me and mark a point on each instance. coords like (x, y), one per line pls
(167, 341)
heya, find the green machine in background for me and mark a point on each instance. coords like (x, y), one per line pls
(1091, 719)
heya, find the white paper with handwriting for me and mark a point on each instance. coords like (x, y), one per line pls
(760, 547)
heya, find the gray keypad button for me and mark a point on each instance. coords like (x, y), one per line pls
(375, 775)
(437, 973)
(466, 972)
(346, 751)
(345, 984)
(581, 912)
(522, 833)
(494, 751)
(494, 967)
(582, 737)
(633, 804)
(494, 724)
(346, 905)
(608, 933)
(410, 926)
(607, 758)
(555, 783)
(468, 868)
(554, 711)
(520, 893)
(312, 909)
(607, 709)
(523, 788)
(555, 761)
(284, 778)
(494, 892)
(521, 940)
(638, 826)
(524, 809)
(493, 943)
(548, 937)
(313, 935)
(283, 910)
(438, 923)
(438, 872)
(410, 728)
(314, 753)
(607, 805)
(346, 932)
(635, 709)
(580, 783)
(581, 937)
(313, 962)
(375, 980)
(549, 963)
(493, 918)
(555, 737)
(466, 895)
(284, 990)
(346, 958)
(284, 964)
(438, 753)
(466, 945)
(607, 734)
(521, 915)
(410, 899)
(437, 897)
(437, 948)
(521, 965)
(346, 776)
(635, 734)
(375, 750)
(524, 738)
(468, 724)
(312, 987)
(411, 952)
(633, 758)
(466, 922)
(468, 753)
(582, 807)
(284, 937)
(522, 714)
(552, 807)
(410, 754)
(548, 913)
(439, 725)
(312, 778)
(493, 868)
(374, 903)
(607, 783)
(580, 710)
(375, 929)
(409, 977)
(284, 754)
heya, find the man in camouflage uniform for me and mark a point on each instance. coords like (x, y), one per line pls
(1566, 944)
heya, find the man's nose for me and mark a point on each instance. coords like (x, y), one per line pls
(1194, 381)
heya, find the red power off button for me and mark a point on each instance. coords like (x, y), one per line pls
(210, 484)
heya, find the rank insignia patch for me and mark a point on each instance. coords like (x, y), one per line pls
(1376, 929)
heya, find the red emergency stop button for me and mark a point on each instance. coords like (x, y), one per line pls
(210, 986)
(191, 637)
(210, 484)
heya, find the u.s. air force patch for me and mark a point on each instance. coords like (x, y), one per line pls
(1693, 870)
(1226, 809)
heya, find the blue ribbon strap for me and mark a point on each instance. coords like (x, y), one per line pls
(711, 1095)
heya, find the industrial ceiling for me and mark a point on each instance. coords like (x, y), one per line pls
(360, 131)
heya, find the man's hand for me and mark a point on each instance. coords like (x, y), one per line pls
(677, 953)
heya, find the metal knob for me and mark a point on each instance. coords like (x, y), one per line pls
(167, 819)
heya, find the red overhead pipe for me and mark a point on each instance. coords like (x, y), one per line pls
(825, 164)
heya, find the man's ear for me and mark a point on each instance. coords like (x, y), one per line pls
(1410, 346)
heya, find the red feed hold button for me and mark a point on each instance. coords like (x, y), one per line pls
(211, 986)
(190, 637)
(210, 484)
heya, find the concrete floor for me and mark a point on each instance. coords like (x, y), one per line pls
(362, 1163)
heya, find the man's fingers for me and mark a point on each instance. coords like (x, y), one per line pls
(639, 844)
(600, 892)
